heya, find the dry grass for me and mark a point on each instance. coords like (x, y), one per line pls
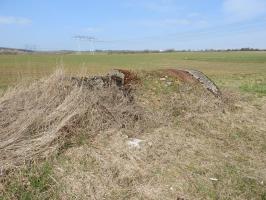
(194, 146)
(200, 139)
(37, 120)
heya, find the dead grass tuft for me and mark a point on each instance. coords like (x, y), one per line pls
(37, 120)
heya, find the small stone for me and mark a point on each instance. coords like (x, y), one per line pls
(238, 106)
(134, 143)
(169, 83)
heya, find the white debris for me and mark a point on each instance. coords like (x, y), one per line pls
(162, 79)
(168, 83)
(60, 169)
(134, 143)
(1, 171)
(213, 179)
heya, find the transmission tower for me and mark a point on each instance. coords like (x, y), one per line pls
(90, 39)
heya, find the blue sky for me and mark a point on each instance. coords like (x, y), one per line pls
(133, 24)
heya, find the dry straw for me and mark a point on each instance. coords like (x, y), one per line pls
(36, 120)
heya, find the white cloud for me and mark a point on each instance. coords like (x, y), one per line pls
(194, 14)
(7, 20)
(174, 22)
(154, 5)
(244, 9)
(171, 23)
(92, 30)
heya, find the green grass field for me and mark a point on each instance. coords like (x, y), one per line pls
(246, 70)
(193, 145)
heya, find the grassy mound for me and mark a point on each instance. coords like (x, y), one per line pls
(191, 144)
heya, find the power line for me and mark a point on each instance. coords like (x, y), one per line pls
(90, 39)
(212, 31)
(195, 35)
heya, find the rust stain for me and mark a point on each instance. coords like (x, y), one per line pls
(181, 75)
(129, 76)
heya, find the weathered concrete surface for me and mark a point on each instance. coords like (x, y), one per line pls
(117, 77)
(194, 77)
(205, 81)
(125, 78)
(122, 77)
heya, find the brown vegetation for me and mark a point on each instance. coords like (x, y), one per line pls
(191, 144)
(36, 120)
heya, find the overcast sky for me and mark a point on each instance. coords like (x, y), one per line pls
(133, 24)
